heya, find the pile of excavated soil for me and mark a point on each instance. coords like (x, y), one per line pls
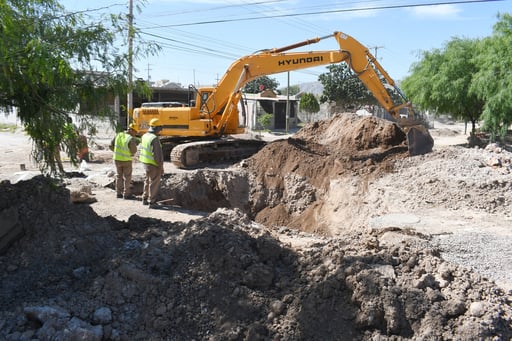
(75, 276)
(350, 133)
(293, 177)
(285, 253)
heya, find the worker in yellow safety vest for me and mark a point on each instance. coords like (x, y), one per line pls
(152, 157)
(124, 146)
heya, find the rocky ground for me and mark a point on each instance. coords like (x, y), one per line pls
(333, 233)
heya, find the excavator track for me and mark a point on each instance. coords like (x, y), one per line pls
(195, 154)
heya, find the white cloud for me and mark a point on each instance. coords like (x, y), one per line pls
(436, 11)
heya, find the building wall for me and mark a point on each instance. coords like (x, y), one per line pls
(258, 106)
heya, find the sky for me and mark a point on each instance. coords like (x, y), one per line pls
(201, 38)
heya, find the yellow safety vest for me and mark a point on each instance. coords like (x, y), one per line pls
(146, 150)
(121, 149)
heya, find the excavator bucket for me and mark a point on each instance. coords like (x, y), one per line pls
(419, 141)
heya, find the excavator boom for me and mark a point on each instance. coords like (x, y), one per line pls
(215, 111)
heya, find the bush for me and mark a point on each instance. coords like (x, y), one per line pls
(266, 121)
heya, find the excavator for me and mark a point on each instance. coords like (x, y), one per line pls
(203, 131)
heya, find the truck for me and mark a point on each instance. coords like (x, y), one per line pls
(205, 129)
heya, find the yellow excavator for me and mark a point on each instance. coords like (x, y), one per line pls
(202, 131)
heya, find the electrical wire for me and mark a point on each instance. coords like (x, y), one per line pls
(264, 8)
(217, 53)
(360, 9)
(210, 9)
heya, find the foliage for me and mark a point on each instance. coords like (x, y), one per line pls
(441, 81)
(260, 84)
(469, 79)
(266, 120)
(52, 61)
(342, 86)
(493, 81)
(309, 104)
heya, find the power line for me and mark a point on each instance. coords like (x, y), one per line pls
(269, 12)
(197, 37)
(160, 14)
(360, 9)
(89, 10)
(210, 51)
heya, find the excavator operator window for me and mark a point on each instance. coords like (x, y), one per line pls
(204, 97)
(205, 106)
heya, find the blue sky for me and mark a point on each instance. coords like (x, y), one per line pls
(201, 38)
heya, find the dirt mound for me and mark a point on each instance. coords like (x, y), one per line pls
(291, 178)
(351, 133)
(223, 277)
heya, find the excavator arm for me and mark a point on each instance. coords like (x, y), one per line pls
(277, 60)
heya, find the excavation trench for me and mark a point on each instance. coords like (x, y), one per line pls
(307, 182)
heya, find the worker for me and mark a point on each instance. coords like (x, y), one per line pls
(152, 157)
(124, 146)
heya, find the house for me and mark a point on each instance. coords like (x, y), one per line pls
(269, 102)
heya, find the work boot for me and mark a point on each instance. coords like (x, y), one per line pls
(119, 196)
(145, 202)
(130, 197)
(154, 205)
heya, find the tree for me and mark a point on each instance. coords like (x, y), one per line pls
(259, 84)
(342, 86)
(441, 81)
(492, 83)
(51, 61)
(309, 104)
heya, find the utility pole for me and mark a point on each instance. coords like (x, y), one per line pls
(376, 48)
(288, 104)
(149, 77)
(129, 99)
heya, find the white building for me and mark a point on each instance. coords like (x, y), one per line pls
(257, 105)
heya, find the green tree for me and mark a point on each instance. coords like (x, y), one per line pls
(309, 104)
(441, 81)
(259, 84)
(492, 83)
(51, 61)
(342, 86)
